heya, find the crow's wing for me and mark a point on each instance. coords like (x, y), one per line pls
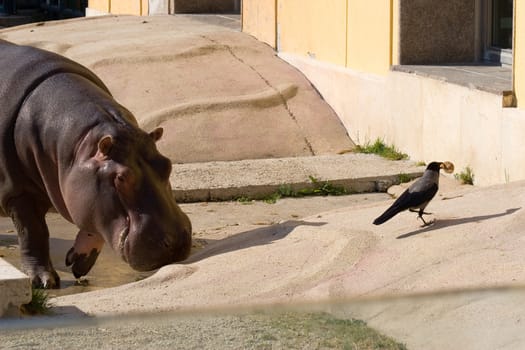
(413, 197)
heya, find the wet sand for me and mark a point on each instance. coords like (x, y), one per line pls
(109, 271)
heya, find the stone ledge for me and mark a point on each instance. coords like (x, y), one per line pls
(15, 289)
(259, 178)
(492, 78)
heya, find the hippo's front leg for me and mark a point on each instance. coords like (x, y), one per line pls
(84, 252)
(33, 237)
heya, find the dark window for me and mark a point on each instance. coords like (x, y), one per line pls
(497, 30)
(502, 24)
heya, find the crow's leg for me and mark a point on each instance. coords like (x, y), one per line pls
(421, 212)
(425, 223)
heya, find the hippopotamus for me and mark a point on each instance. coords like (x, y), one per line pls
(67, 144)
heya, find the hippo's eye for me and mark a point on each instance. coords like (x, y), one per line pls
(121, 178)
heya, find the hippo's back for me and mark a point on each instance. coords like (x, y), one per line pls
(22, 70)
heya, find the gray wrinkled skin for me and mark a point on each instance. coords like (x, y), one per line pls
(66, 143)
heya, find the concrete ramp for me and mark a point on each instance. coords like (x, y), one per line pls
(219, 94)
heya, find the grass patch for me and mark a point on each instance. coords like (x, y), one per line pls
(466, 176)
(318, 331)
(319, 188)
(381, 149)
(244, 200)
(272, 198)
(39, 304)
(404, 178)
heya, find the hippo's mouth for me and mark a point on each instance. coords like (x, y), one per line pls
(122, 239)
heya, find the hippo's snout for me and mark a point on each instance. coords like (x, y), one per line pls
(151, 246)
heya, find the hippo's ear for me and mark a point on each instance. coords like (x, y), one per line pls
(105, 144)
(156, 134)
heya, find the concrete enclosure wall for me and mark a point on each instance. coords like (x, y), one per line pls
(519, 53)
(313, 28)
(427, 118)
(129, 7)
(99, 6)
(118, 7)
(355, 34)
(160, 7)
(369, 43)
(260, 20)
(156, 7)
(347, 47)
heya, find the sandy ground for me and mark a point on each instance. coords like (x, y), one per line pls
(212, 222)
(323, 254)
(402, 279)
(337, 255)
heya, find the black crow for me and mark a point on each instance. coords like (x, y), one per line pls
(418, 195)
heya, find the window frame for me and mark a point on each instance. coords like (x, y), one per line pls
(492, 53)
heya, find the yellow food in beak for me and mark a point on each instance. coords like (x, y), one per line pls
(448, 167)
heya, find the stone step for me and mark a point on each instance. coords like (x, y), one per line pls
(15, 289)
(259, 178)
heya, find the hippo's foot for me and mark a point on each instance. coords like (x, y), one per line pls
(81, 263)
(28, 215)
(42, 277)
(83, 255)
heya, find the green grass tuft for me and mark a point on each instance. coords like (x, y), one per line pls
(244, 200)
(381, 149)
(39, 304)
(272, 199)
(319, 188)
(403, 178)
(466, 176)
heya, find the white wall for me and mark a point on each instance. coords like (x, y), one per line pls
(427, 118)
(159, 7)
(90, 12)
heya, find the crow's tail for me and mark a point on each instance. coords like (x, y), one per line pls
(387, 215)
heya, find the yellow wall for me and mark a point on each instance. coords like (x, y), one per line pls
(394, 44)
(99, 5)
(120, 7)
(519, 53)
(128, 7)
(369, 35)
(313, 28)
(259, 18)
(144, 8)
(328, 30)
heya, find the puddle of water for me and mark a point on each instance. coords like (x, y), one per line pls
(109, 270)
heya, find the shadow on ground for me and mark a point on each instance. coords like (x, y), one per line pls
(453, 222)
(261, 236)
